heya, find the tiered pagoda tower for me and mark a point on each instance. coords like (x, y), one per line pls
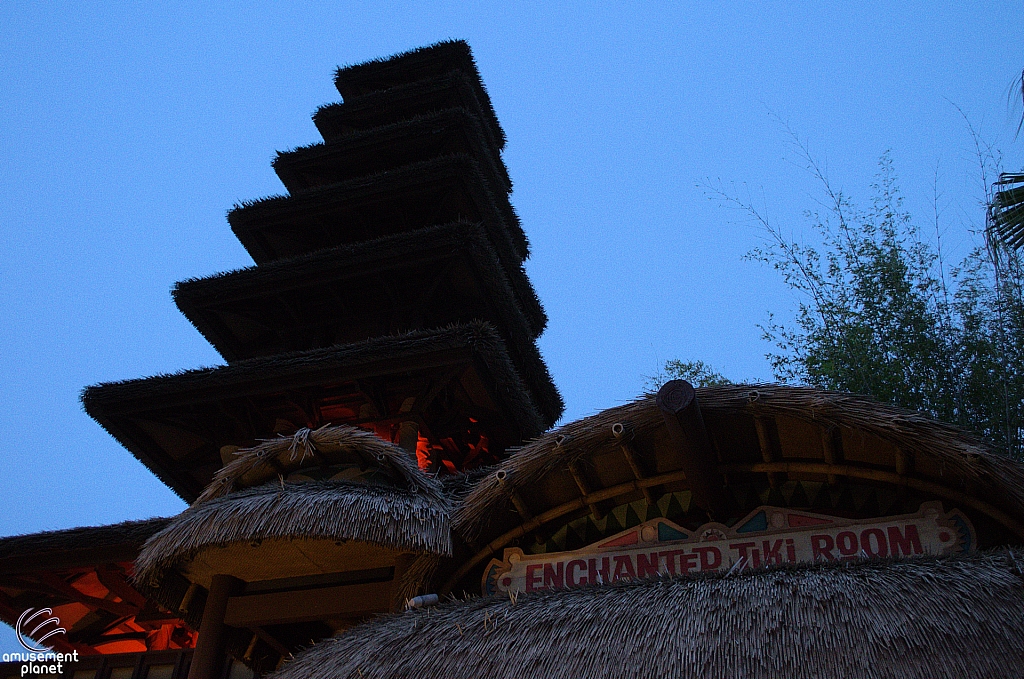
(388, 292)
(388, 295)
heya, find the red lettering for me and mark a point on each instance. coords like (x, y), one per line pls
(747, 553)
(554, 577)
(623, 568)
(570, 578)
(598, 575)
(772, 552)
(790, 550)
(646, 565)
(821, 546)
(710, 557)
(687, 562)
(847, 543)
(907, 544)
(880, 548)
(532, 578)
(670, 559)
(742, 548)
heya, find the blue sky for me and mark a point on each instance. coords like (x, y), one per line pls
(127, 131)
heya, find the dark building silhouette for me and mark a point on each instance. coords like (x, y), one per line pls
(380, 441)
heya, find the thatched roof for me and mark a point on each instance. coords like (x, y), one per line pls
(445, 189)
(452, 90)
(71, 547)
(920, 618)
(412, 66)
(354, 292)
(176, 424)
(755, 430)
(386, 147)
(317, 510)
(317, 448)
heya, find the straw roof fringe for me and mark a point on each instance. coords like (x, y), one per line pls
(335, 121)
(266, 213)
(961, 456)
(913, 619)
(76, 546)
(418, 64)
(509, 289)
(418, 577)
(478, 336)
(323, 510)
(324, 446)
(393, 144)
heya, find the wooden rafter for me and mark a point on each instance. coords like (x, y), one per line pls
(558, 512)
(624, 435)
(53, 585)
(577, 475)
(872, 474)
(113, 578)
(769, 446)
(832, 445)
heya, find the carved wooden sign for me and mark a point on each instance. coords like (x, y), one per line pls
(766, 536)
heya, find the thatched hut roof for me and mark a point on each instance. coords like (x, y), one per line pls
(176, 424)
(71, 547)
(445, 189)
(920, 618)
(386, 147)
(326, 510)
(454, 89)
(336, 296)
(322, 447)
(416, 65)
(755, 431)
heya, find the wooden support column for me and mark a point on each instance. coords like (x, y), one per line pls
(209, 653)
(678, 403)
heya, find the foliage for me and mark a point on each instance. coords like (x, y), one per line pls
(697, 373)
(1006, 211)
(880, 313)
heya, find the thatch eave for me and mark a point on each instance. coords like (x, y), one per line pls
(326, 511)
(116, 405)
(948, 460)
(388, 146)
(360, 266)
(453, 89)
(418, 64)
(75, 547)
(911, 618)
(259, 223)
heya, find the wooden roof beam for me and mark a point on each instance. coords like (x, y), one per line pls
(623, 434)
(53, 585)
(577, 475)
(871, 474)
(113, 578)
(678, 404)
(769, 447)
(556, 513)
(832, 444)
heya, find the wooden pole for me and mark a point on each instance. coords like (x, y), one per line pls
(678, 404)
(208, 659)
